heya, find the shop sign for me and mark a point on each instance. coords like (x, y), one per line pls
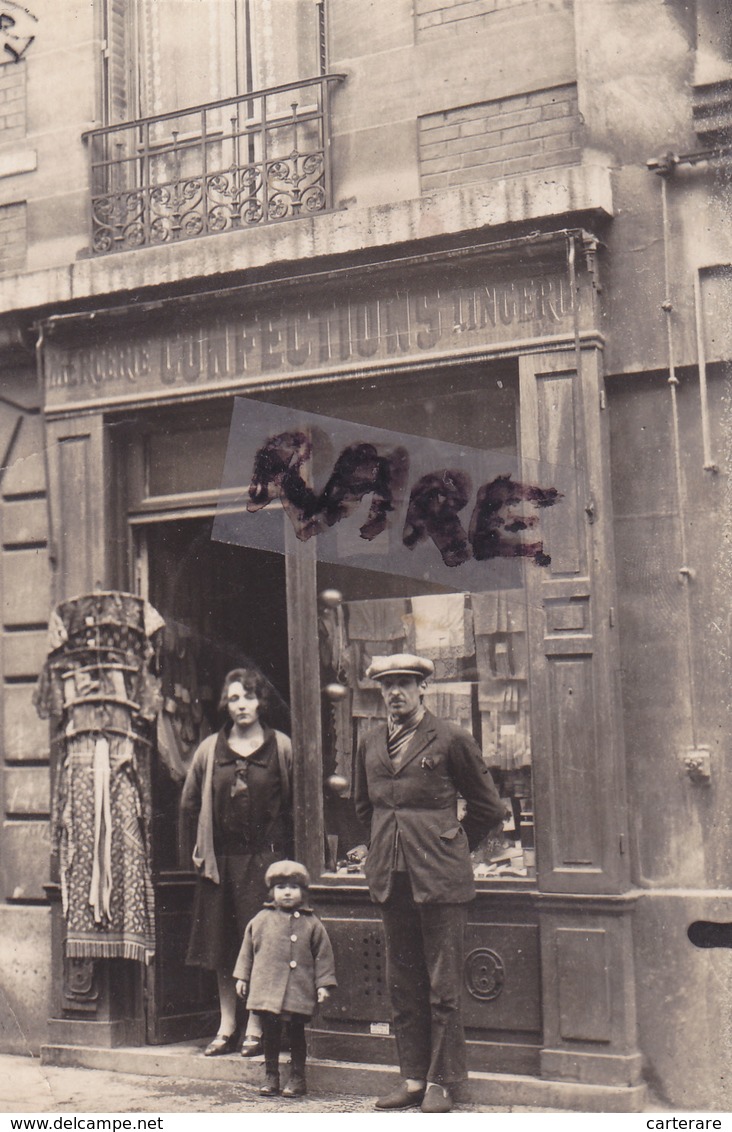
(329, 332)
(382, 500)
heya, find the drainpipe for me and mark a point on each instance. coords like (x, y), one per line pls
(665, 166)
(696, 759)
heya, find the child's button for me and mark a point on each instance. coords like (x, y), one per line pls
(293, 938)
(293, 962)
(296, 915)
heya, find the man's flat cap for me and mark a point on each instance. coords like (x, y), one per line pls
(400, 664)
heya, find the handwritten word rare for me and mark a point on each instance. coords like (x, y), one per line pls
(433, 511)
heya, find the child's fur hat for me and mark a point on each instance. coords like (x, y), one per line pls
(282, 871)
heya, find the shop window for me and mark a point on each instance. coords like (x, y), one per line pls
(478, 644)
(477, 640)
(201, 471)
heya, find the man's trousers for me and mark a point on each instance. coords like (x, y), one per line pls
(425, 946)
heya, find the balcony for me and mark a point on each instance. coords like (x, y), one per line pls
(256, 159)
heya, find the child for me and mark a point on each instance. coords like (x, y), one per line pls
(285, 967)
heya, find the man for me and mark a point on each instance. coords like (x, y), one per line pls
(409, 773)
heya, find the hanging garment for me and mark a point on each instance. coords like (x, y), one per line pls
(519, 647)
(182, 723)
(449, 668)
(452, 702)
(503, 611)
(102, 837)
(368, 703)
(489, 734)
(101, 696)
(441, 626)
(367, 650)
(377, 620)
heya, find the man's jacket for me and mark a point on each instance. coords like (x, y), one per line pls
(417, 804)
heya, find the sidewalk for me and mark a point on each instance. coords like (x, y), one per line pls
(28, 1086)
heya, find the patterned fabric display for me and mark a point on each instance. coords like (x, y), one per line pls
(97, 688)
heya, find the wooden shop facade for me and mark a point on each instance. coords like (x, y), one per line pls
(494, 349)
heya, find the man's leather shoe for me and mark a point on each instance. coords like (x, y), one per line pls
(401, 1097)
(436, 1099)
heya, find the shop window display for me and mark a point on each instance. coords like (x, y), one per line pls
(477, 643)
(477, 640)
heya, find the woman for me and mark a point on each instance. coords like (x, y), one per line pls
(239, 785)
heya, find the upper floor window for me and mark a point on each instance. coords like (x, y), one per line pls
(216, 119)
(164, 55)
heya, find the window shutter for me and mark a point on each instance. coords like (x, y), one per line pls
(118, 62)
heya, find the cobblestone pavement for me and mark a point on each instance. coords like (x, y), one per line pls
(28, 1086)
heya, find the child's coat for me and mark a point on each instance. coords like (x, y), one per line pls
(284, 957)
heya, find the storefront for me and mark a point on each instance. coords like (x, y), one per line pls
(492, 350)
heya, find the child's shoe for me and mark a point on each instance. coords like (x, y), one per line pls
(271, 1086)
(296, 1086)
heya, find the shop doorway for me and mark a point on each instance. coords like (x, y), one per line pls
(222, 605)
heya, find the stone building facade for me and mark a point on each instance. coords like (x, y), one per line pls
(501, 224)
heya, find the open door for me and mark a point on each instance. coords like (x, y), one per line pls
(222, 605)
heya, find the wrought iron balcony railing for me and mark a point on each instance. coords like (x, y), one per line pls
(237, 163)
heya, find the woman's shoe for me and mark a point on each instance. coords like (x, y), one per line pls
(222, 1043)
(251, 1046)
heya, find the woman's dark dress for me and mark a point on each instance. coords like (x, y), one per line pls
(251, 830)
